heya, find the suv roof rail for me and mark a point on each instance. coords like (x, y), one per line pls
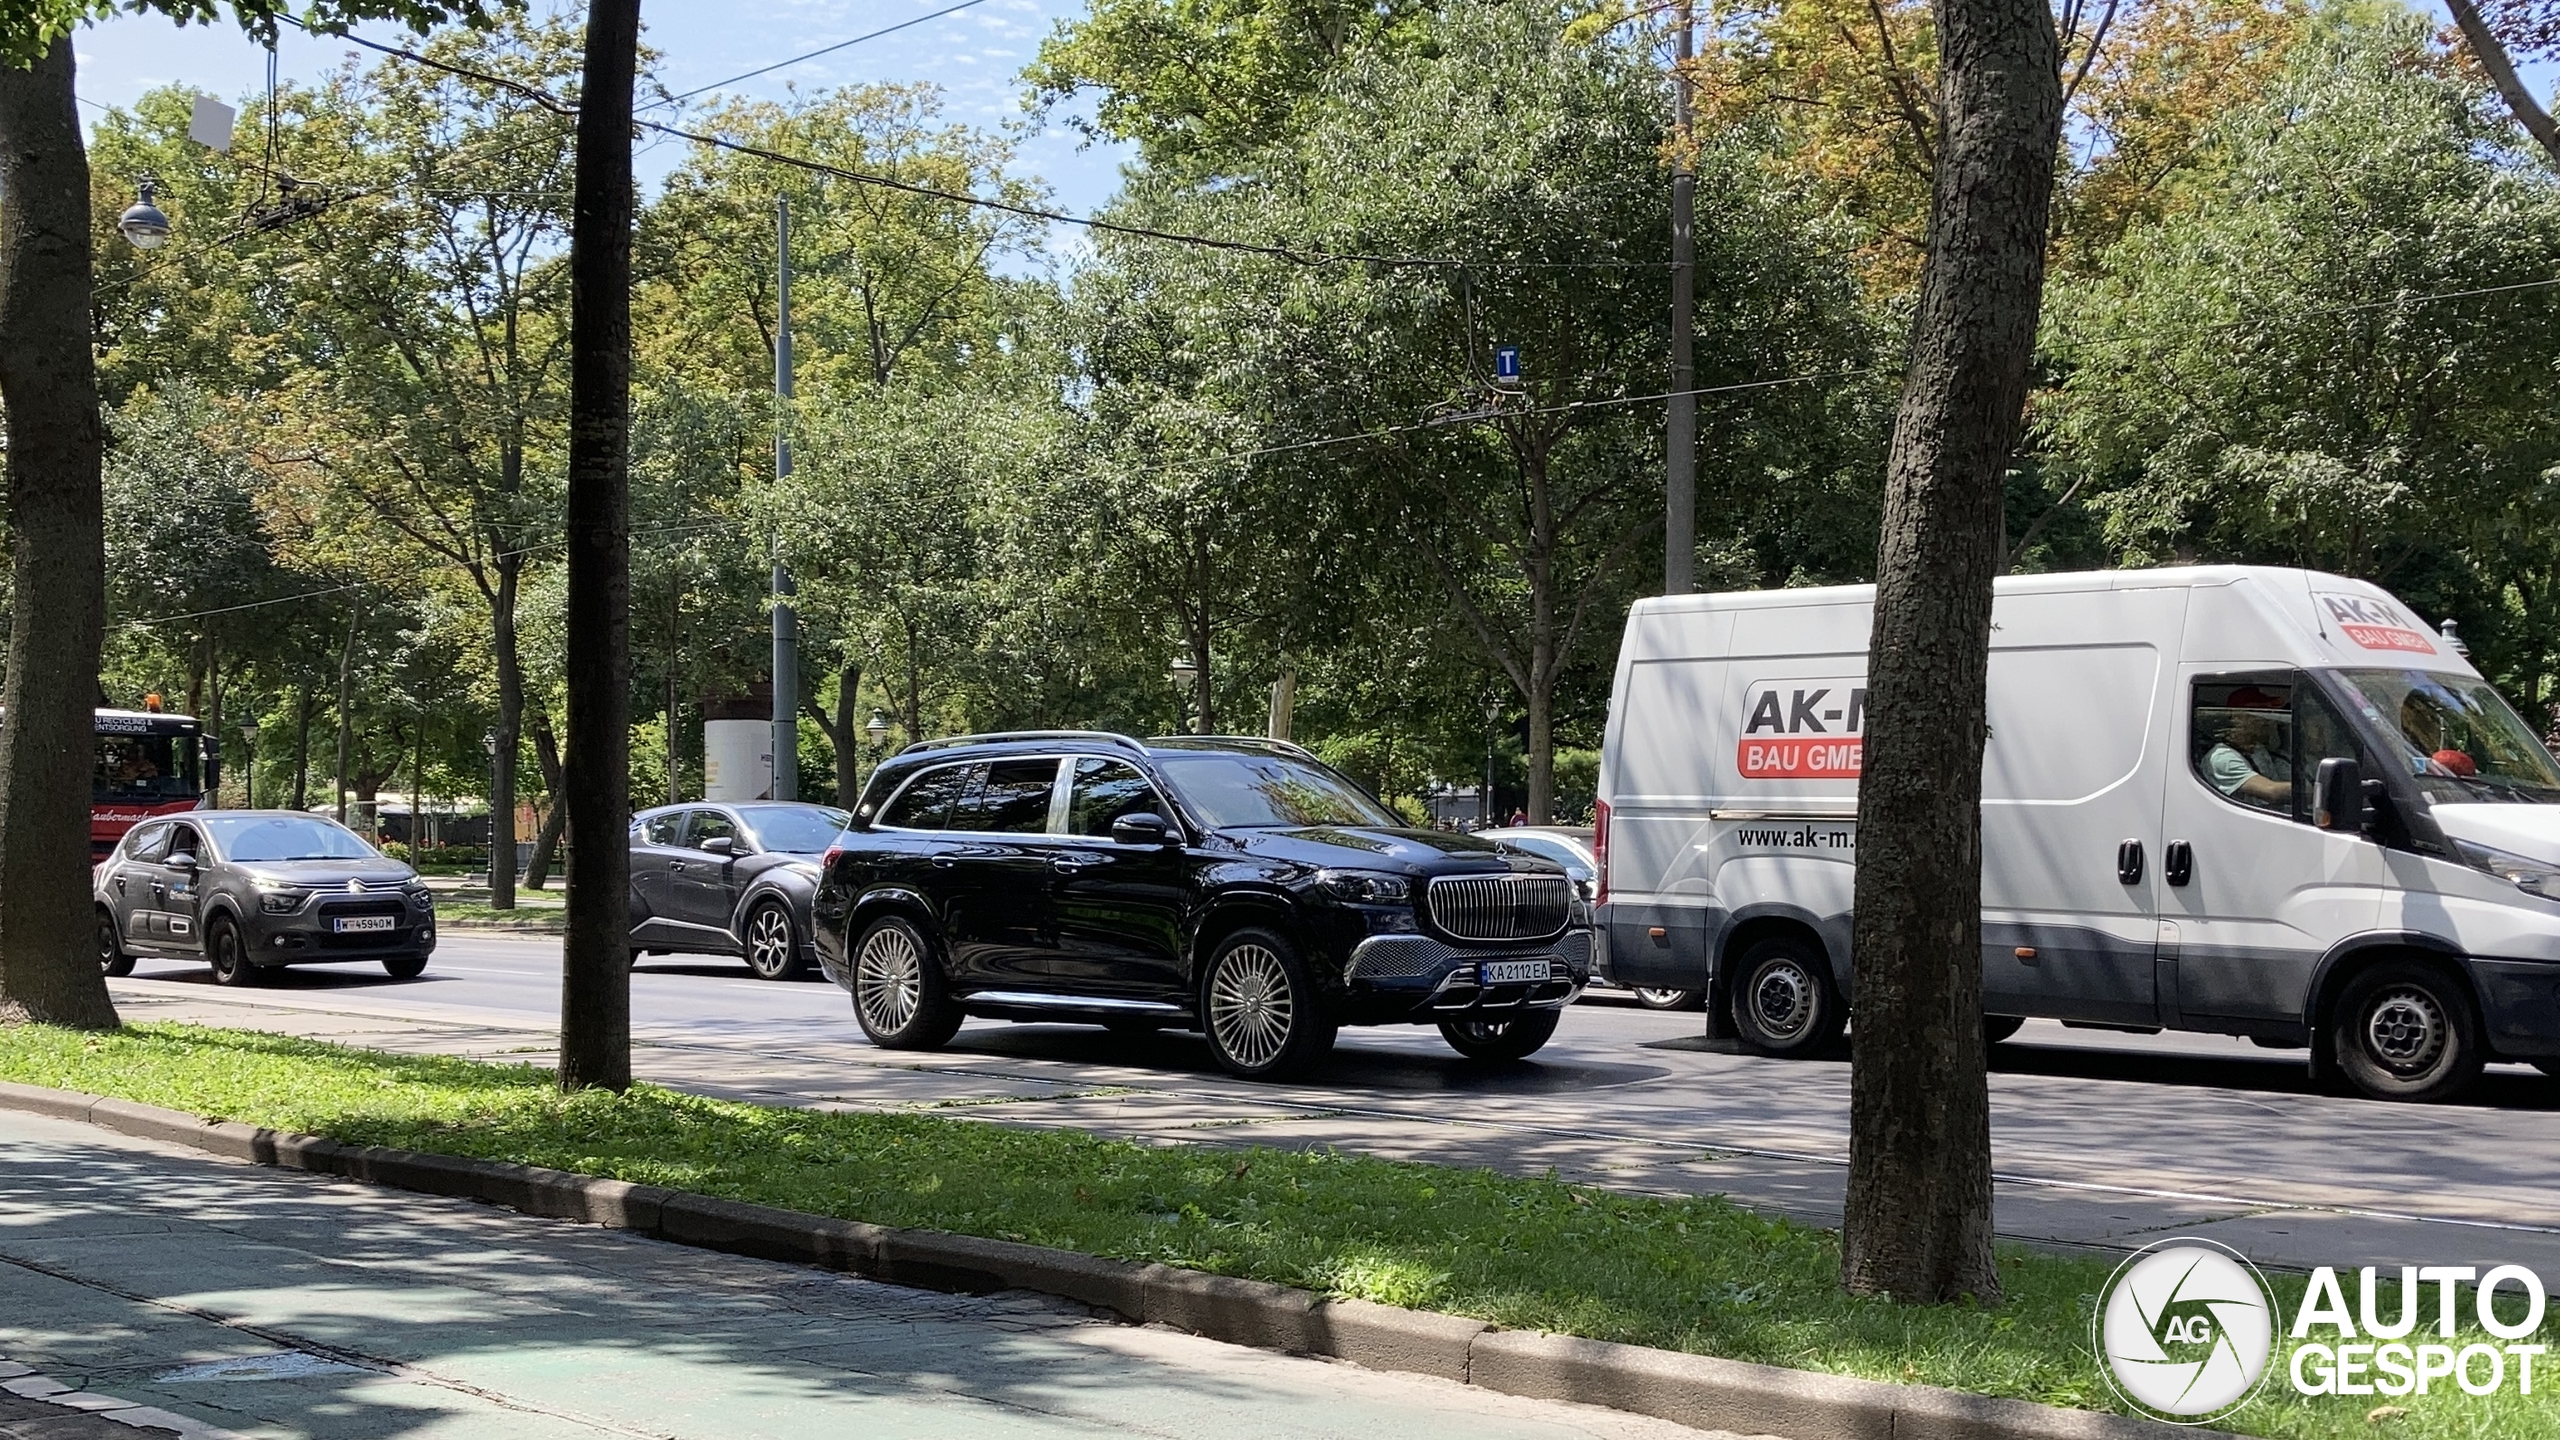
(1257, 742)
(995, 737)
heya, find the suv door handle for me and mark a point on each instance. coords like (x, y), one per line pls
(2129, 862)
(944, 862)
(1069, 864)
(2178, 863)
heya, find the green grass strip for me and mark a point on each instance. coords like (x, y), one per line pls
(1701, 1275)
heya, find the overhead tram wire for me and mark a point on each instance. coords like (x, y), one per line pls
(1304, 256)
(812, 55)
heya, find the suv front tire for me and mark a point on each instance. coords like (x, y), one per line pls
(1261, 1014)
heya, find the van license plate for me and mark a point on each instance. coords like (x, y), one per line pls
(1515, 972)
(364, 924)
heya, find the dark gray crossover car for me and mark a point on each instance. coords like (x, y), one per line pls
(247, 890)
(730, 879)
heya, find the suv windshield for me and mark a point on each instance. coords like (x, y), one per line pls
(1229, 790)
(252, 838)
(795, 829)
(2457, 737)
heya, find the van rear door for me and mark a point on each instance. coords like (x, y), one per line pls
(2072, 784)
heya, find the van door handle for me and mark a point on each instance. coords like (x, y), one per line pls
(2178, 863)
(2129, 862)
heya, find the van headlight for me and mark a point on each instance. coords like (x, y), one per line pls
(2533, 877)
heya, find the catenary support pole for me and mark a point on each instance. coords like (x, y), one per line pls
(1680, 424)
(786, 621)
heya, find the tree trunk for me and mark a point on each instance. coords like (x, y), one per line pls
(502, 765)
(302, 748)
(842, 736)
(595, 996)
(1918, 1219)
(346, 710)
(2492, 55)
(546, 841)
(49, 388)
(915, 688)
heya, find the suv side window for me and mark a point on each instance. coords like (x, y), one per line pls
(929, 799)
(1104, 791)
(149, 842)
(662, 829)
(2241, 742)
(1015, 798)
(710, 825)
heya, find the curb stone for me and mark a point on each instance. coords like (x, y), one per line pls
(1695, 1390)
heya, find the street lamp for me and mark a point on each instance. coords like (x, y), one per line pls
(878, 730)
(489, 743)
(1492, 719)
(142, 222)
(1185, 675)
(249, 764)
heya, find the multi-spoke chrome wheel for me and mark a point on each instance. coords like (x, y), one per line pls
(773, 947)
(1250, 1006)
(888, 980)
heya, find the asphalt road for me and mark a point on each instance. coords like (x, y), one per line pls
(2100, 1139)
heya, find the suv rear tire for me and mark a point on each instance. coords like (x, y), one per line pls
(899, 996)
(1514, 1037)
(1259, 1011)
(1783, 1003)
(2405, 1031)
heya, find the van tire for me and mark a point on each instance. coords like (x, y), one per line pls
(2406, 1030)
(1783, 1003)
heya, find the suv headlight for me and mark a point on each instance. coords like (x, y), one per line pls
(1364, 887)
(2533, 877)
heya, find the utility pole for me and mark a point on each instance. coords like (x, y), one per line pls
(1680, 426)
(786, 621)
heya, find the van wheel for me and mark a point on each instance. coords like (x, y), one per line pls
(2405, 1031)
(1653, 998)
(899, 995)
(1782, 998)
(1515, 1038)
(1261, 1014)
(1996, 1028)
(111, 957)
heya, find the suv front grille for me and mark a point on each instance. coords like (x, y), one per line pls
(1501, 907)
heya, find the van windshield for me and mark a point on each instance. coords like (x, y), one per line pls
(2457, 736)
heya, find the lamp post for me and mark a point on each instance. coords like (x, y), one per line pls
(878, 730)
(249, 764)
(142, 223)
(1185, 675)
(489, 743)
(1492, 718)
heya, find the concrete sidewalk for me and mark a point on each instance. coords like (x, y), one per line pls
(258, 1302)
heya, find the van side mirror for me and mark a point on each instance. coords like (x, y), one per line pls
(2338, 796)
(1141, 829)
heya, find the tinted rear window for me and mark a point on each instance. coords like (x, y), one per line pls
(1015, 798)
(927, 802)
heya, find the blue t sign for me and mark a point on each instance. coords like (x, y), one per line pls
(1506, 365)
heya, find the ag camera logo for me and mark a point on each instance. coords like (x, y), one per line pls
(2186, 1328)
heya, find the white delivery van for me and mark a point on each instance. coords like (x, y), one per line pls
(2242, 800)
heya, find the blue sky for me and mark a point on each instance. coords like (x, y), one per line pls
(976, 56)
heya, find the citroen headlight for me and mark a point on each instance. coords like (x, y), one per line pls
(1364, 887)
(2533, 877)
(278, 900)
(422, 897)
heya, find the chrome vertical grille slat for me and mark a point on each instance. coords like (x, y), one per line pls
(1501, 907)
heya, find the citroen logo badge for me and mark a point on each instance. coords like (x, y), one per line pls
(355, 887)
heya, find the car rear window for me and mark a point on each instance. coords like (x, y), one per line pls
(1015, 798)
(928, 800)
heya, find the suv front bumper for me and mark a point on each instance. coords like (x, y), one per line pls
(1419, 979)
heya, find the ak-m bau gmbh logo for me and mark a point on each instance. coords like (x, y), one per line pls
(2188, 1330)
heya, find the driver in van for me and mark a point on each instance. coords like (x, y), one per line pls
(2244, 764)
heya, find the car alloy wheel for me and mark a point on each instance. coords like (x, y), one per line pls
(111, 957)
(773, 945)
(1258, 1010)
(898, 993)
(2406, 1031)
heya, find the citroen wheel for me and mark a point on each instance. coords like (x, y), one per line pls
(404, 967)
(2405, 1031)
(1654, 998)
(111, 957)
(773, 942)
(1513, 1037)
(1259, 1011)
(899, 995)
(229, 954)
(1996, 1028)
(1782, 998)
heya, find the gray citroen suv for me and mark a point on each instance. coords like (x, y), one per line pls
(248, 890)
